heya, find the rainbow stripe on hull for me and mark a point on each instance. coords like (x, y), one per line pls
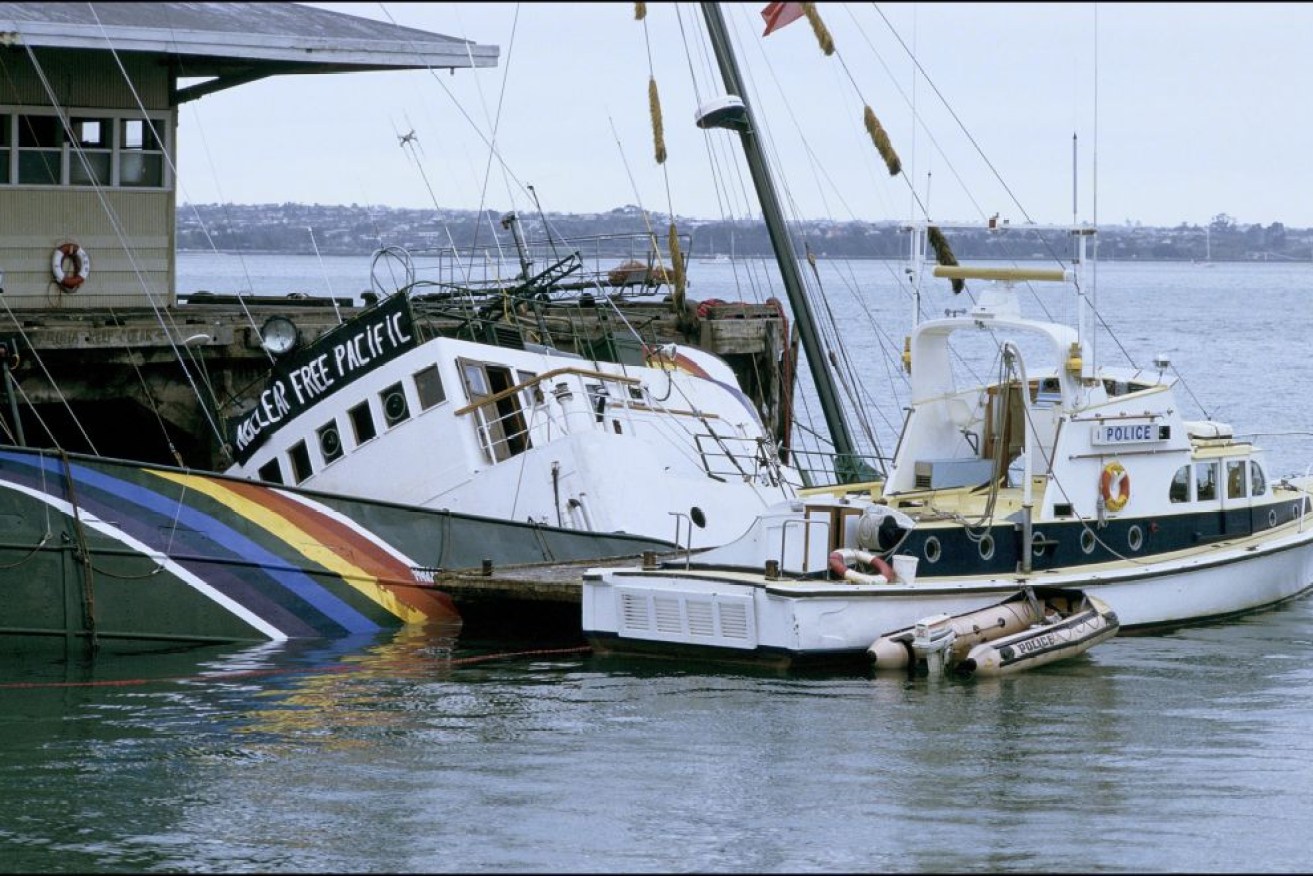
(92, 547)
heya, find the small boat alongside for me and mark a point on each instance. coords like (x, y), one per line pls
(1032, 628)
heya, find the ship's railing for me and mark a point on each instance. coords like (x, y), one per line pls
(614, 264)
(823, 468)
(736, 457)
(567, 400)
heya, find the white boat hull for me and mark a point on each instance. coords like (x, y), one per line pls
(743, 615)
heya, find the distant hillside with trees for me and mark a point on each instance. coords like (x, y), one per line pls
(360, 230)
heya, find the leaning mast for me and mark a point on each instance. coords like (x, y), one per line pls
(846, 460)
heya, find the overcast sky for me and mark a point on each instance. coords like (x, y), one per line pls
(1180, 112)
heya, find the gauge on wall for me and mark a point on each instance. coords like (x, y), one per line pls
(278, 335)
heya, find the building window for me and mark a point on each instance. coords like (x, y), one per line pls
(91, 152)
(40, 150)
(6, 147)
(141, 158)
(105, 149)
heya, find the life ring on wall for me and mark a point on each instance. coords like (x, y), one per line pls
(80, 268)
(1115, 486)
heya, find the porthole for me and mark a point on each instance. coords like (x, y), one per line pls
(1038, 544)
(395, 408)
(1271, 517)
(932, 550)
(330, 443)
(986, 547)
(1135, 538)
(1088, 541)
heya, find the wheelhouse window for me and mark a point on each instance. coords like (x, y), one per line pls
(533, 391)
(499, 419)
(1180, 489)
(271, 473)
(362, 423)
(428, 386)
(1257, 480)
(1205, 481)
(300, 456)
(1235, 479)
(100, 147)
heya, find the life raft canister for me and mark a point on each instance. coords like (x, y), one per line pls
(71, 266)
(1115, 486)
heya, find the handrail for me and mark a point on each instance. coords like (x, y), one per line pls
(546, 375)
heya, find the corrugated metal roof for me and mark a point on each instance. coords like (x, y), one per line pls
(216, 39)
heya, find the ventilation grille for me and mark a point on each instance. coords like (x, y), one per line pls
(720, 619)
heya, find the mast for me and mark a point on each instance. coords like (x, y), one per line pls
(846, 465)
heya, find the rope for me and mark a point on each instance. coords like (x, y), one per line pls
(88, 586)
(254, 673)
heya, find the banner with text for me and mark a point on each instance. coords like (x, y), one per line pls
(349, 351)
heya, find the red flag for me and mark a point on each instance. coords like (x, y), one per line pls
(779, 14)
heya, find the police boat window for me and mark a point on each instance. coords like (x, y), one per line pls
(271, 473)
(428, 386)
(1205, 481)
(362, 423)
(1235, 478)
(300, 457)
(1180, 489)
(1257, 480)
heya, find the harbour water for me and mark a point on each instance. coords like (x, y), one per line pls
(1183, 752)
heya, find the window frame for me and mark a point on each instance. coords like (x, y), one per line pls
(157, 134)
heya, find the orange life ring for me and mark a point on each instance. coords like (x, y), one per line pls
(69, 279)
(1115, 486)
